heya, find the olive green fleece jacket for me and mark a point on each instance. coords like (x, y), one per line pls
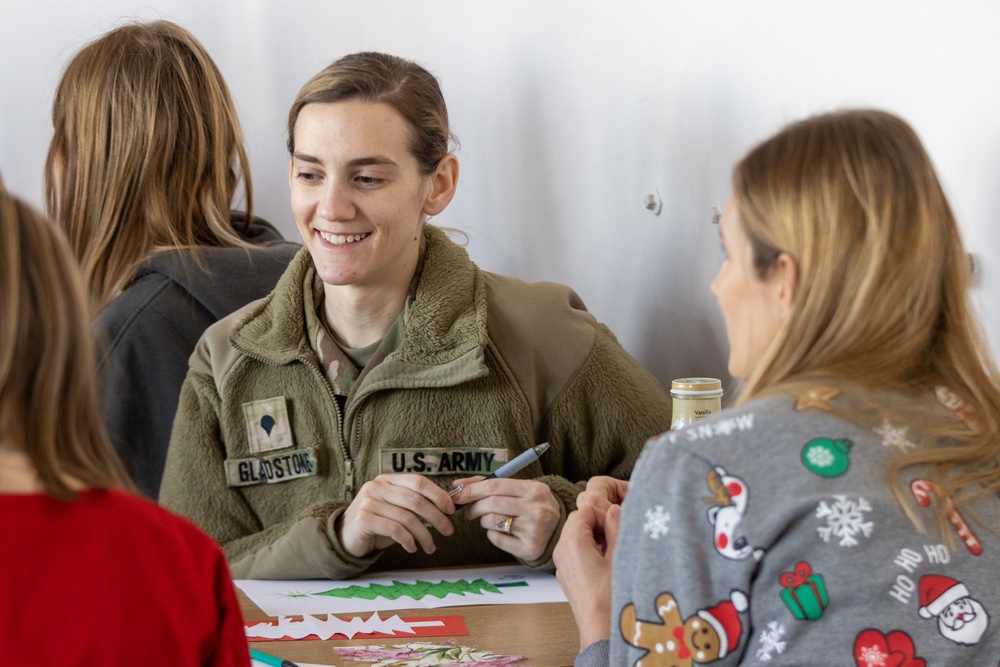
(485, 361)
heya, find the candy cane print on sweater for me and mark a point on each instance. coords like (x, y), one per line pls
(922, 489)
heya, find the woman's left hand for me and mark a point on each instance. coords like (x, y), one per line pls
(519, 515)
(583, 560)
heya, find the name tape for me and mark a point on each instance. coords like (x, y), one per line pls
(272, 469)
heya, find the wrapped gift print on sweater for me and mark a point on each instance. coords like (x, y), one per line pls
(673, 641)
(804, 592)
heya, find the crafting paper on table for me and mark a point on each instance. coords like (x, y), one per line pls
(430, 589)
(312, 627)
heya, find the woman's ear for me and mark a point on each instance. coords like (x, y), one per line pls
(785, 280)
(444, 180)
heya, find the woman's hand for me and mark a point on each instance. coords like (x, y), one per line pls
(602, 493)
(396, 508)
(583, 560)
(519, 515)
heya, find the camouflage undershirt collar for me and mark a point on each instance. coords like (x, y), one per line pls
(339, 369)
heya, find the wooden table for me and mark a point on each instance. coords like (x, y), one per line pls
(545, 634)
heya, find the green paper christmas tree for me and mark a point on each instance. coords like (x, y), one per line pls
(417, 590)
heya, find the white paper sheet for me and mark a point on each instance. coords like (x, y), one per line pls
(412, 589)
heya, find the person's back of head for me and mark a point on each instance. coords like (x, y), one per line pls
(48, 403)
(882, 299)
(147, 152)
(412, 91)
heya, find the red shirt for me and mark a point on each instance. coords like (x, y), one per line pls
(111, 580)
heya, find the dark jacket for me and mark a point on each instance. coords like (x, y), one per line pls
(146, 334)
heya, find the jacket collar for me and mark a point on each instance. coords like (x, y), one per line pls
(445, 317)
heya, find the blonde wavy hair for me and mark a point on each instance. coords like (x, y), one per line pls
(147, 153)
(883, 295)
(48, 401)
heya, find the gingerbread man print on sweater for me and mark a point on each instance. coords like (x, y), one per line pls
(729, 500)
(673, 641)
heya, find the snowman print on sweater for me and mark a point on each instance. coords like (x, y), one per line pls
(673, 641)
(729, 500)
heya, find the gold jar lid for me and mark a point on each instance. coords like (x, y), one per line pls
(696, 387)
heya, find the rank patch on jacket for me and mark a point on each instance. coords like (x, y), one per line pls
(267, 423)
(272, 469)
(464, 461)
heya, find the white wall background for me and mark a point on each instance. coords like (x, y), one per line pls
(571, 112)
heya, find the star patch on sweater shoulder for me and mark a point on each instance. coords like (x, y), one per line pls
(816, 397)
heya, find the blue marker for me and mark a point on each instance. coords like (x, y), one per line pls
(515, 465)
(519, 462)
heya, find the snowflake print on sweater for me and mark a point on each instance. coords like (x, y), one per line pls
(894, 436)
(820, 458)
(657, 522)
(845, 519)
(770, 641)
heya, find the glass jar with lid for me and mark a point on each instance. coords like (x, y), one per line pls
(694, 399)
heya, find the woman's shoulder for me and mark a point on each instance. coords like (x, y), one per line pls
(257, 231)
(759, 418)
(788, 413)
(766, 433)
(541, 293)
(133, 513)
(542, 310)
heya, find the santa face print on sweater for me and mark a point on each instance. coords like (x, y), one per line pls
(961, 618)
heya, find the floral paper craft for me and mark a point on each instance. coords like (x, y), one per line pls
(425, 654)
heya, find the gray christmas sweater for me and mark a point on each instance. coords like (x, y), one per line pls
(768, 534)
